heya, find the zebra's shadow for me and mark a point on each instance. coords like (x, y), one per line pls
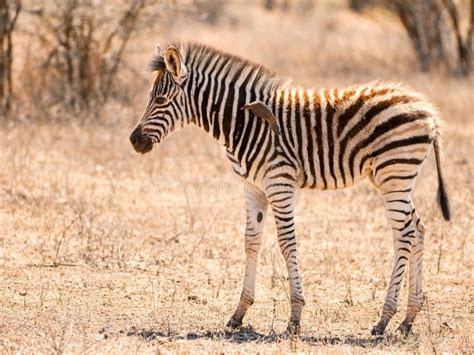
(249, 335)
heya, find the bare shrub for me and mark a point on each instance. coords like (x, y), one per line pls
(82, 47)
(464, 44)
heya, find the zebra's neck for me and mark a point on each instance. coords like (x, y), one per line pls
(216, 98)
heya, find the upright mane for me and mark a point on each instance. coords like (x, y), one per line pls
(194, 54)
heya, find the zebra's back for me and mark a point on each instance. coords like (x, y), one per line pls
(338, 137)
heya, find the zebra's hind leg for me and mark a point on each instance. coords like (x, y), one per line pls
(398, 206)
(415, 295)
(256, 207)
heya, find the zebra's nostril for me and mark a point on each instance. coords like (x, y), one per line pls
(135, 136)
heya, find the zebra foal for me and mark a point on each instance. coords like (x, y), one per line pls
(280, 137)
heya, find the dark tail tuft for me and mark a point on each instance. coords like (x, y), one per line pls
(443, 199)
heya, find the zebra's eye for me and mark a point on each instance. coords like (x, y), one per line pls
(160, 100)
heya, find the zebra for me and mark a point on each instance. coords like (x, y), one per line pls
(280, 137)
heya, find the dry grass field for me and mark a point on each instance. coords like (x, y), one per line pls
(106, 251)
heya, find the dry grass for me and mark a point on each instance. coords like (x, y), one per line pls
(102, 250)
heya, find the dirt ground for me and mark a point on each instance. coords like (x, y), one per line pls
(106, 251)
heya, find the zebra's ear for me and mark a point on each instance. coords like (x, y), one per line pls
(174, 63)
(259, 109)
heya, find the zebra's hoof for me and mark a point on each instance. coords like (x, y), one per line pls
(405, 328)
(377, 330)
(234, 324)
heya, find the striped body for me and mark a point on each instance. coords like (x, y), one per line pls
(326, 139)
(335, 138)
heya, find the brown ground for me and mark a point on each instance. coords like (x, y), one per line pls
(103, 250)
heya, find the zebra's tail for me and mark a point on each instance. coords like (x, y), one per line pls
(443, 200)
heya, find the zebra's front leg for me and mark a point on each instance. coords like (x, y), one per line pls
(281, 196)
(256, 206)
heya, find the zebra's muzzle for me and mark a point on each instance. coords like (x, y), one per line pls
(140, 142)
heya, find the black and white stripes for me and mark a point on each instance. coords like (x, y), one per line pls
(317, 139)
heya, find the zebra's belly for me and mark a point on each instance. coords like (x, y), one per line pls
(309, 175)
(331, 181)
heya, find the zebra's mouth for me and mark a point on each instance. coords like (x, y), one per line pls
(143, 146)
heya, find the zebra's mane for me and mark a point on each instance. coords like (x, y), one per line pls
(194, 54)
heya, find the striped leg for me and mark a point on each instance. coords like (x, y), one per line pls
(399, 211)
(256, 206)
(281, 195)
(415, 295)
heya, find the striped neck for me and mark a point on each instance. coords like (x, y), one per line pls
(216, 106)
(218, 85)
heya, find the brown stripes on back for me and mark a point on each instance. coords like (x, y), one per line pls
(352, 110)
(348, 94)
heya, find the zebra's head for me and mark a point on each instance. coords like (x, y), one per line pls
(167, 102)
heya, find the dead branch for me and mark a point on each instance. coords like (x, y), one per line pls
(9, 12)
(462, 45)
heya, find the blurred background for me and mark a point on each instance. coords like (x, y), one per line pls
(71, 59)
(102, 249)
